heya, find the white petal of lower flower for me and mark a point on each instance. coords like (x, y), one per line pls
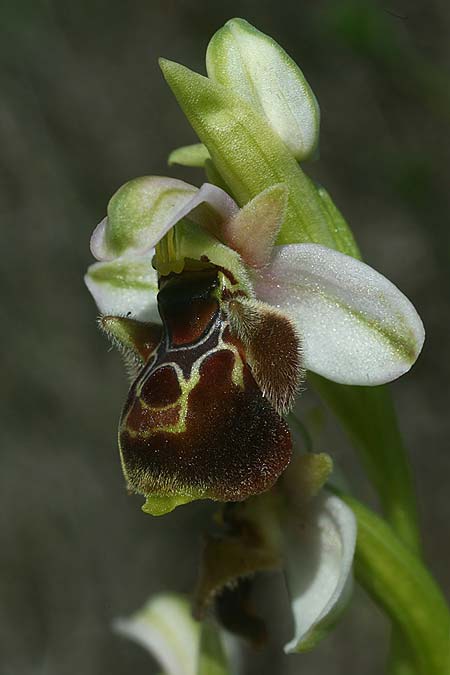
(125, 287)
(318, 555)
(165, 627)
(357, 327)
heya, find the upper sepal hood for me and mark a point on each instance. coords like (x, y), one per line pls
(143, 210)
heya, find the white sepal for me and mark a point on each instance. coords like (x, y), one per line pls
(125, 287)
(356, 326)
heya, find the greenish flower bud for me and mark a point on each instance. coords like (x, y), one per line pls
(247, 153)
(251, 63)
(189, 155)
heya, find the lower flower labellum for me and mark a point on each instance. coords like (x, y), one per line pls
(202, 416)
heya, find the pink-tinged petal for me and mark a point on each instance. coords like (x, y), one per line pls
(143, 210)
(253, 230)
(356, 326)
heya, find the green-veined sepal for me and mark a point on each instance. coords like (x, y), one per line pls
(356, 327)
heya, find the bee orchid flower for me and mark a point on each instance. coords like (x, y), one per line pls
(218, 325)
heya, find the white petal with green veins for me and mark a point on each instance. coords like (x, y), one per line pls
(356, 326)
(318, 554)
(252, 64)
(125, 287)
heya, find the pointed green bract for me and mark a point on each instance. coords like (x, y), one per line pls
(253, 65)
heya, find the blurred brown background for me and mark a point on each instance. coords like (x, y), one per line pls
(83, 109)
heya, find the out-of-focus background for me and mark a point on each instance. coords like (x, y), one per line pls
(83, 109)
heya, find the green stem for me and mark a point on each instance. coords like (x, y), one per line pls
(368, 416)
(212, 659)
(400, 584)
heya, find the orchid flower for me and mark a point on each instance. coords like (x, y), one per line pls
(218, 325)
(306, 533)
(221, 299)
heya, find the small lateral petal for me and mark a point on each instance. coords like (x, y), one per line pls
(125, 287)
(318, 553)
(356, 326)
(253, 230)
(273, 350)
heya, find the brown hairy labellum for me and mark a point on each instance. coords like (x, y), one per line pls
(201, 418)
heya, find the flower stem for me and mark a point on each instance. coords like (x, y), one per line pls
(400, 584)
(368, 416)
